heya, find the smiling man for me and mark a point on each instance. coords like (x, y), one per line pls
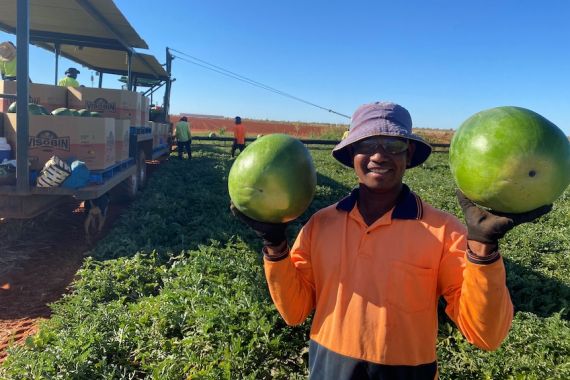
(373, 266)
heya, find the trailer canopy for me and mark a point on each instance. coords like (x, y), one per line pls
(113, 61)
(88, 23)
(93, 33)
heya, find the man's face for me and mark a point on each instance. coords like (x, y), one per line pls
(380, 162)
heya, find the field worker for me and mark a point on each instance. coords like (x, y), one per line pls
(183, 137)
(373, 266)
(239, 136)
(8, 60)
(70, 79)
(345, 134)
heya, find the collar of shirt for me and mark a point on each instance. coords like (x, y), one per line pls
(408, 206)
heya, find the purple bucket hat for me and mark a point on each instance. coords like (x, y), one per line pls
(381, 119)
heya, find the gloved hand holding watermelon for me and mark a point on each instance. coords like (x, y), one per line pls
(487, 227)
(272, 234)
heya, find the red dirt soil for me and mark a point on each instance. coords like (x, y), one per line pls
(255, 127)
(204, 124)
(43, 277)
(43, 274)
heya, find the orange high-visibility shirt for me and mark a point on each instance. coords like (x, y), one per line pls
(239, 133)
(375, 289)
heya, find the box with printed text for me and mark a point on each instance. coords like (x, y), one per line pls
(118, 104)
(122, 134)
(51, 97)
(88, 139)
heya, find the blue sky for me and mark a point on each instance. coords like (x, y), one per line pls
(443, 60)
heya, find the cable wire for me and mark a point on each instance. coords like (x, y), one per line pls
(231, 74)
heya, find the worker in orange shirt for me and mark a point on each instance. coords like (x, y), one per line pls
(373, 266)
(239, 136)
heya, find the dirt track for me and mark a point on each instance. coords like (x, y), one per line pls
(37, 268)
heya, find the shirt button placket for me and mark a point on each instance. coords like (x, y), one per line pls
(364, 243)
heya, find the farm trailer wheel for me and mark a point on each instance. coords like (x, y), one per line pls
(127, 190)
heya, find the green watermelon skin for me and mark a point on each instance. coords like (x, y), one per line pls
(44, 110)
(510, 159)
(62, 112)
(273, 180)
(34, 109)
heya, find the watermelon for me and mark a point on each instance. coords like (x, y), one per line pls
(33, 108)
(510, 159)
(62, 112)
(84, 113)
(273, 179)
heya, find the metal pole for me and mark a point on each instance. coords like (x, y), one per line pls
(100, 79)
(129, 75)
(166, 105)
(22, 119)
(57, 50)
(153, 89)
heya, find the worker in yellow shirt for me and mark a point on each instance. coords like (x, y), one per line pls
(183, 137)
(8, 60)
(70, 79)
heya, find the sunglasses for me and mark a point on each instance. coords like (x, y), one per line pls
(390, 145)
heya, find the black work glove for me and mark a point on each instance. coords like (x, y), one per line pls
(488, 227)
(273, 234)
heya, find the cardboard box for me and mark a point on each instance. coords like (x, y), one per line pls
(118, 104)
(145, 109)
(89, 139)
(51, 97)
(163, 133)
(122, 135)
(154, 128)
(159, 134)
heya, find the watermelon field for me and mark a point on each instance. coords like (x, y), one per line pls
(176, 290)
